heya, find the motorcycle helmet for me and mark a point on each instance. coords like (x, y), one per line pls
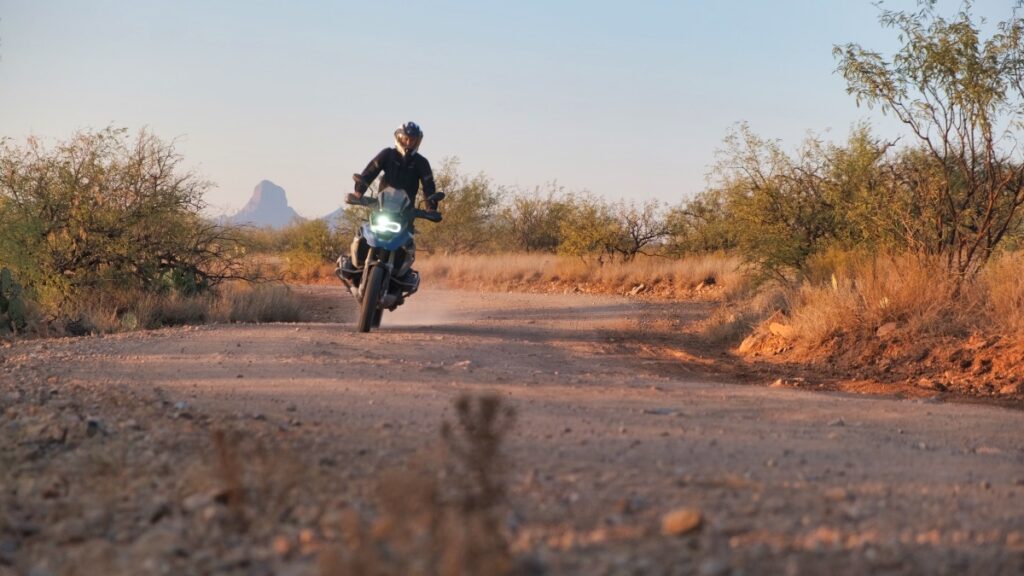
(407, 138)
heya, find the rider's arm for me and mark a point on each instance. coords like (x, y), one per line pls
(371, 172)
(427, 181)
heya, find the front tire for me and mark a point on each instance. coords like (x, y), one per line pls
(371, 299)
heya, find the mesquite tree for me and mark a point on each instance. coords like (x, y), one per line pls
(961, 97)
(106, 212)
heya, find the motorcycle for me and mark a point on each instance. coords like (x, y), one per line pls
(378, 272)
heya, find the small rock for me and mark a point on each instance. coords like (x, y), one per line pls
(281, 545)
(181, 406)
(713, 567)
(929, 384)
(292, 407)
(681, 521)
(886, 329)
(156, 511)
(93, 426)
(837, 423)
(463, 364)
(1011, 389)
(982, 366)
(637, 289)
(837, 494)
(782, 330)
(8, 550)
(196, 501)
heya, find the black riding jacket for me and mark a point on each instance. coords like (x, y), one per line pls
(401, 173)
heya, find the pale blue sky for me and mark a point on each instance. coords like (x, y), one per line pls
(626, 99)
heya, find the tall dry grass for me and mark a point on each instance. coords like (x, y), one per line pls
(663, 276)
(916, 296)
(1003, 282)
(234, 302)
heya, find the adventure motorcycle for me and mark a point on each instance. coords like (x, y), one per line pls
(378, 272)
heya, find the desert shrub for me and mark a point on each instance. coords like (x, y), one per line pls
(780, 209)
(960, 95)
(641, 227)
(104, 211)
(589, 229)
(310, 244)
(262, 240)
(470, 208)
(701, 224)
(13, 306)
(532, 221)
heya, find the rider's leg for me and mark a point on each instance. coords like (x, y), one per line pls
(405, 272)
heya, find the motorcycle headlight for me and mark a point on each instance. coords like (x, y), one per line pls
(384, 223)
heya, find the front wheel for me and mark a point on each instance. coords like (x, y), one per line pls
(371, 300)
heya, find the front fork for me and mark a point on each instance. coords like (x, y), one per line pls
(373, 260)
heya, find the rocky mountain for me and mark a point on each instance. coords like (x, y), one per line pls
(334, 219)
(267, 207)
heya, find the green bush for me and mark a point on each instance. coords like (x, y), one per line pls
(104, 212)
(470, 208)
(13, 309)
(532, 222)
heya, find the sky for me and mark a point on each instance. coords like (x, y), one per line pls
(628, 100)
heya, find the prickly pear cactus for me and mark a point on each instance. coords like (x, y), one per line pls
(12, 304)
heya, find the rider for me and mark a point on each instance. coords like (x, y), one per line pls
(403, 166)
(404, 169)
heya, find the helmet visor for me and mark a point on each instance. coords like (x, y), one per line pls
(407, 143)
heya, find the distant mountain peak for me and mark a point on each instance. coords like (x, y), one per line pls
(268, 206)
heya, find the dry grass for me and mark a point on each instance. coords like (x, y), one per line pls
(660, 276)
(741, 312)
(235, 302)
(915, 294)
(1003, 282)
(853, 297)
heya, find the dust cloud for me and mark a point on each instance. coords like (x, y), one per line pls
(427, 309)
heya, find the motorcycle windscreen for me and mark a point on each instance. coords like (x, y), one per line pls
(394, 201)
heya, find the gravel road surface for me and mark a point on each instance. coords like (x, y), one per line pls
(607, 442)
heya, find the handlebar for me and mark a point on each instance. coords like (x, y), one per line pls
(431, 215)
(353, 200)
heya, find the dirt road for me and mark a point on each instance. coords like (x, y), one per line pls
(607, 441)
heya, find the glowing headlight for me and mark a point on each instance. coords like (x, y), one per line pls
(385, 224)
